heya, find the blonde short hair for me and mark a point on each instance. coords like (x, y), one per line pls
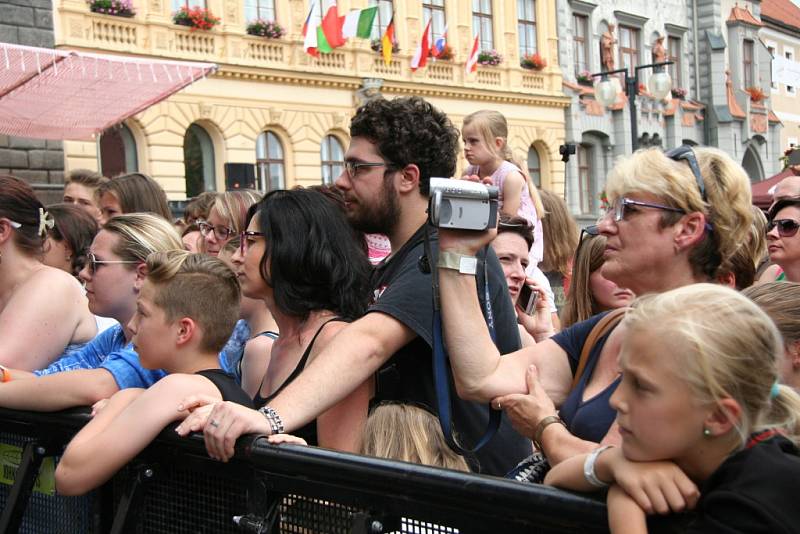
(781, 301)
(724, 346)
(197, 286)
(141, 234)
(409, 434)
(727, 189)
(232, 206)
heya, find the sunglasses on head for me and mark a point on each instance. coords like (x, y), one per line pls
(686, 153)
(786, 227)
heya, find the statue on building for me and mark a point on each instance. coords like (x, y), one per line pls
(659, 53)
(607, 42)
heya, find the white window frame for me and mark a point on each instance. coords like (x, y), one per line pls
(774, 47)
(788, 53)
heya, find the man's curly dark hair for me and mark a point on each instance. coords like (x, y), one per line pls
(409, 130)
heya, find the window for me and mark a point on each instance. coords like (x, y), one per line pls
(789, 54)
(188, 4)
(269, 162)
(382, 19)
(628, 47)
(433, 10)
(482, 23)
(747, 63)
(118, 151)
(674, 55)
(580, 25)
(259, 9)
(534, 169)
(332, 159)
(526, 26)
(772, 49)
(585, 188)
(198, 161)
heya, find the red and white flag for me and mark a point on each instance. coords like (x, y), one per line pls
(422, 52)
(472, 60)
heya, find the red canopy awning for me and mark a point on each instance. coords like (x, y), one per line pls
(63, 94)
(762, 191)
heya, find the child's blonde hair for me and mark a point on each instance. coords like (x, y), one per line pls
(409, 434)
(491, 125)
(197, 286)
(724, 346)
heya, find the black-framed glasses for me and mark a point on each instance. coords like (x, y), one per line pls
(686, 153)
(620, 207)
(245, 238)
(220, 232)
(786, 227)
(351, 167)
(93, 263)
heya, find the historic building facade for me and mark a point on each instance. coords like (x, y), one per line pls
(272, 106)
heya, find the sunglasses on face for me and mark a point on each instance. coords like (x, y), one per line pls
(93, 263)
(220, 232)
(786, 227)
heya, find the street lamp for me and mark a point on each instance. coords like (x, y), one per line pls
(659, 85)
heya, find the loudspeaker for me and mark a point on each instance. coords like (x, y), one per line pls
(240, 176)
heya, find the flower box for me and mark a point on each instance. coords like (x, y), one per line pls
(584, 78)
(117, 8)
(197, 18)
(679, 93)
(265, 28)
(533, 61)
(377, 46)
(446, 53)
(490, 58)
(756, 94)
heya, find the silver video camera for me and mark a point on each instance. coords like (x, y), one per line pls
(462, 205)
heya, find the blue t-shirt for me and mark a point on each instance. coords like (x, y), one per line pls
(590, 419)
(108, 350)
(231, 353)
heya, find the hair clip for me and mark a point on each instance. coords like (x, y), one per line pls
(45, 222)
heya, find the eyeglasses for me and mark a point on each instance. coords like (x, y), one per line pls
(93, 262)
(220, 232)
(244, 240)
(620, 206)
(591, 231)
(686, 153)
(351, 167)
(786, 227)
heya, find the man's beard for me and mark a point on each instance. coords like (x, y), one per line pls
(380, 218)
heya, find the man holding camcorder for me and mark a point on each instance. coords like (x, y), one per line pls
(396, 147)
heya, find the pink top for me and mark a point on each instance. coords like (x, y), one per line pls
(526, 209)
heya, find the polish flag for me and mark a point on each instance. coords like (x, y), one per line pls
(472, 60)
(422, 52)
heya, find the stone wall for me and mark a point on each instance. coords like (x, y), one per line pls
(39, 162)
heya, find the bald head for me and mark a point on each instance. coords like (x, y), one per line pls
(786, 188)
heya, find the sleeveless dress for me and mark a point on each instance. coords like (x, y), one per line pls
(309, 431)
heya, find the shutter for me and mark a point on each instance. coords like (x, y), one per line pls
(764, 62)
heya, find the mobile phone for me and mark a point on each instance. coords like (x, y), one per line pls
(527, 299)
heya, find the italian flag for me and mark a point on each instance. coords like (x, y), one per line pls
(359, 23)
(329, 33)
(472, 61)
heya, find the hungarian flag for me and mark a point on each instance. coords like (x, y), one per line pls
(422, 52)
(472, 60)
(440, 43)
(359, 23)
(387, 42)
(329, 33)
(310, 30)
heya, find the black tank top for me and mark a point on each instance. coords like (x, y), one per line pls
(309, 431)
(227, 386)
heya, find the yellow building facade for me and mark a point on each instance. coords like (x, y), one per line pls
(273, 106)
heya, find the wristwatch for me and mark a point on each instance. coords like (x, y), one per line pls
(458, 262)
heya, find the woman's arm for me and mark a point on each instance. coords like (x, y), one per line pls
(108, 442)
(255, 362)
(41, 318)
(512, 193)
(624, 515)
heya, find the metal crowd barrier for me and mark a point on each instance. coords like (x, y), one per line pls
(173, 487)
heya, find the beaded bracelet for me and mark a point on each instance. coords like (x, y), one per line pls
(272, 417)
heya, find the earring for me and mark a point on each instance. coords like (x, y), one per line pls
(707, 432)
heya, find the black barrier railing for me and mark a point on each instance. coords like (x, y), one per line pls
(174, 487)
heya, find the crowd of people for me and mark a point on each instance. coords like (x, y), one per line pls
(654, 355)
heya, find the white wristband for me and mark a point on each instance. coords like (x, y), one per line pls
(458, 262)
(588, 468)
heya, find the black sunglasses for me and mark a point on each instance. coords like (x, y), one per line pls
(686, 153)
(591, 231)
(786, 227)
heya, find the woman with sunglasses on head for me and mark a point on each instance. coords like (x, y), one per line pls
(674, 217)
(783, 238)
(310, 305)
(43, 312)
(113, 274)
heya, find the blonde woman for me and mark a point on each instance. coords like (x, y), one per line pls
(226, 219)
(699, 406)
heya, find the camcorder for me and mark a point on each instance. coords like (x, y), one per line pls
(462, 205)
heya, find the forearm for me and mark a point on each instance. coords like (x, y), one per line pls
(560, 444)
(59, 391)
(569, 475)
(624, 515)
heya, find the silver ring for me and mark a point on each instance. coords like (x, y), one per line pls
(213, 423)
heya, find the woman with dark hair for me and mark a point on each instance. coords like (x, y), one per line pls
(132, 193)
(43, 311)
(784, 241)
(68, 241)
(312, 286)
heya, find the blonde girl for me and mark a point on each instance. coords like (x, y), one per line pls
(485, 136)
(703, 420)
